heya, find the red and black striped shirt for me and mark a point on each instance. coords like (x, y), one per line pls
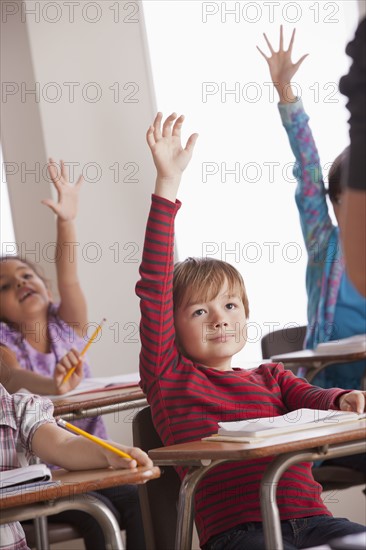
(188, 400)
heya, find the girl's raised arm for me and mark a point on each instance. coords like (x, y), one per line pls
(73, 307)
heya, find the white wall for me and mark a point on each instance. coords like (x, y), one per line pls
(102, 130)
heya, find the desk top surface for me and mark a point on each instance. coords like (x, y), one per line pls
(307, 356)
(285, 443)
(76, 483)
(100, 398)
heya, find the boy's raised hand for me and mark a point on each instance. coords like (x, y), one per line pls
(168, 154)
(281, 67)
(68, 194)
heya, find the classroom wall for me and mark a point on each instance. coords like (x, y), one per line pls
(93, 101)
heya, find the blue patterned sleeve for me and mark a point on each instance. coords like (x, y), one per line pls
(310, 197)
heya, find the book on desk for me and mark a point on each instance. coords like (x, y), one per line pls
(25, 478)
(301, 419)
(353, 344)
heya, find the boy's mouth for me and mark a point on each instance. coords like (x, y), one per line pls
(221, 337)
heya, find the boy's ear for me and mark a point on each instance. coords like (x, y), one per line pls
(49, 293)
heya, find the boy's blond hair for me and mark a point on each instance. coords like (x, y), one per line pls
(201, 279)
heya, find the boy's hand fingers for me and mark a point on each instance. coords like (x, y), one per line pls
(150, 138)
(191, 143)
(157, 126)
(360, 402)
(168, 124)
(178, 126)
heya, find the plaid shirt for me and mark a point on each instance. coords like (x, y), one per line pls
(20, 416)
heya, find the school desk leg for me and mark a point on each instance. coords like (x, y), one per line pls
(84, 502)
(272, 475)
(183, 538)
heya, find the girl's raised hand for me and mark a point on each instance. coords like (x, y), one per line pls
(281, 67)
(67, 203)
(170, 158)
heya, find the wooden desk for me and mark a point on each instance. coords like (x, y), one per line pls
(202, 456)
(315, 362)
(96, 403)
(71, 494)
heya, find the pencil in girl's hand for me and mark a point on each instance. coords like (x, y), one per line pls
(97, 440)
(88, 344)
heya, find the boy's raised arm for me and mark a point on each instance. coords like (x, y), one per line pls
(155, 288)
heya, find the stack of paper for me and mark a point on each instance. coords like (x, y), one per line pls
(294, 421)
(353, 344)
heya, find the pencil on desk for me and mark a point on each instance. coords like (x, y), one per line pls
(100, 442)
(87, 346)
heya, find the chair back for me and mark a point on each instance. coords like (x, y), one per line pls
(284, 340)
(159, 497)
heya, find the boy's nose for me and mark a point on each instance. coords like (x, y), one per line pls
(219, 324)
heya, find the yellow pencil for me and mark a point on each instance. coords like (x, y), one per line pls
(100, 442)
(88, 344)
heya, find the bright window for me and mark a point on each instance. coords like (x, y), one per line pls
(7, 238)
(238, 193)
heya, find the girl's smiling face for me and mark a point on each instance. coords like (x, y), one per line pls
(23, 294)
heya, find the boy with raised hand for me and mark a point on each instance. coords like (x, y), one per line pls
(193, 322)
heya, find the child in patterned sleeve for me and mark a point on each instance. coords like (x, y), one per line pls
(335, 308)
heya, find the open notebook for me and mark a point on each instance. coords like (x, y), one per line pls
(294, 421)
(25, 478)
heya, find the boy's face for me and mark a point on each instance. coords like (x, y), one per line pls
(22, 293)
(211, 332)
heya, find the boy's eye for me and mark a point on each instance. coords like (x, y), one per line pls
(27, 276)
(198, 312)
(230, 306)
